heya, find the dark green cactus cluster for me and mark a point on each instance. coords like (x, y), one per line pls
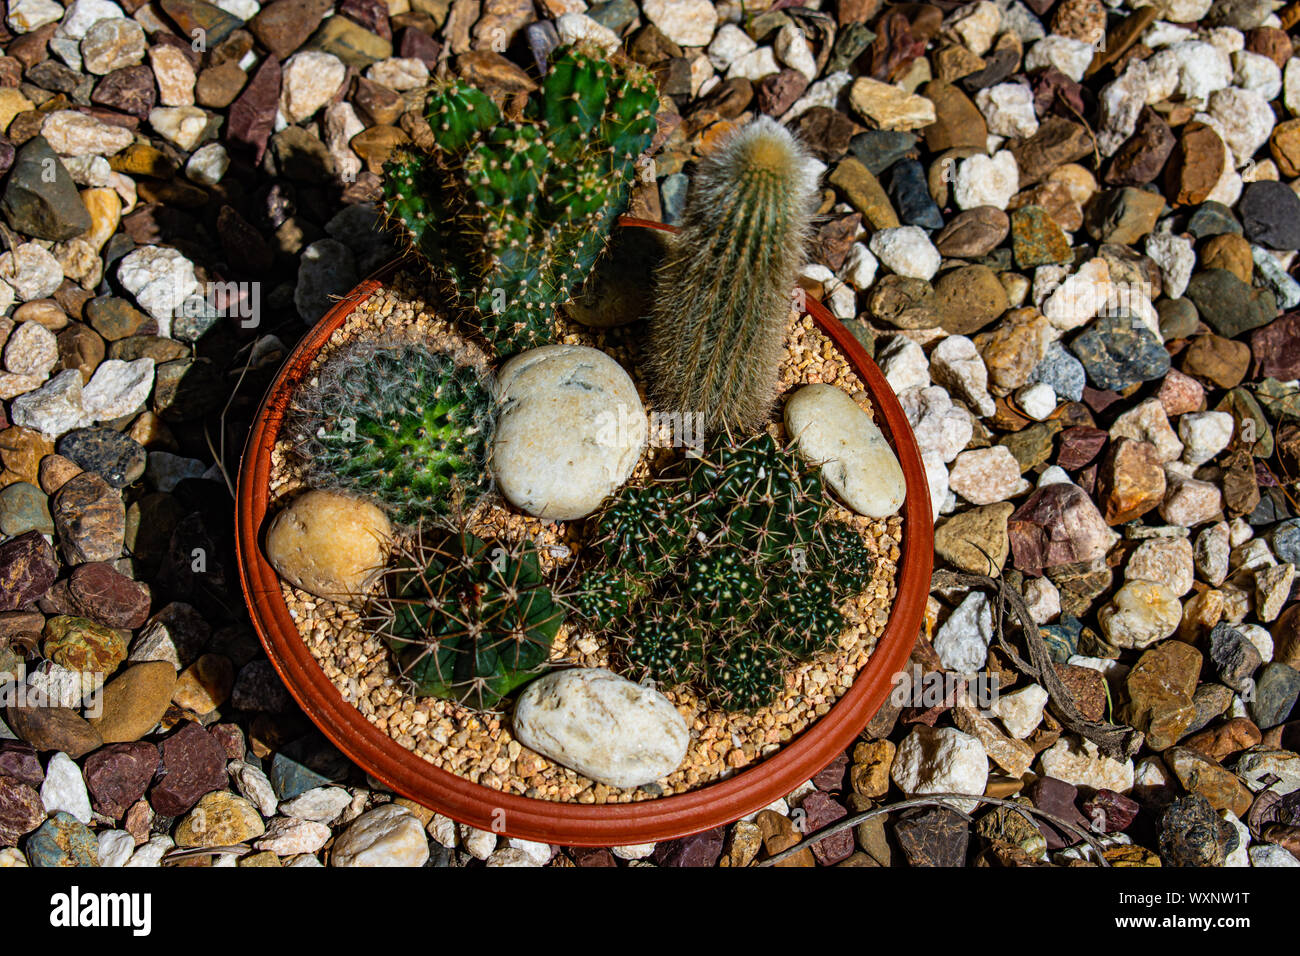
(513, 214)
(468, 620)
(723, 571)
(405, 424)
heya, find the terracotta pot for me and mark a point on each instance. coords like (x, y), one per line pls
(569, 824)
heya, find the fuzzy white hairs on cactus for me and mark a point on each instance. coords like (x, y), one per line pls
(724, 293)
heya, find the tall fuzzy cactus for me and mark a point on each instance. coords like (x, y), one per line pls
(717, 332)
(514, 214)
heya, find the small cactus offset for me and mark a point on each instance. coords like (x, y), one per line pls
(514, 214)
(717, 331)
(468, 620)
(404, 424)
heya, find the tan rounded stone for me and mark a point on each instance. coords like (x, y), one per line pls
(329, 544)
(133, 703)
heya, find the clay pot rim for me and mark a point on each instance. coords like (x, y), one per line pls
(573, 824)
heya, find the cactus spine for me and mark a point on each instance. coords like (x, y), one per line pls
(717, 331)
(513, 214)
(404, 424)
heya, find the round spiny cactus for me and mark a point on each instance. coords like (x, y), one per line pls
(404, 424)
(743, 672)
(665, 645)
(467, 619)
(605, 597)
(644, 529)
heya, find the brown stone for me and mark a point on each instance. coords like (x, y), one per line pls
(130, 89)
(969, 298)
(958, 122)
(1195, 166)
(1230, 737)
(1131, 481)
(1160, 688)
(973, 233)
(285, 25)
(218, 86)
(1200, 775)
(1214, 359)
(21, 451)
(1057, 142)
(54, 728)
(90, 519)
(1228, 251)
(135, 701)
(1144, 154)
(493, 72)
(1272, 43)
(82, 348)
(1087, 688)
(779, 834)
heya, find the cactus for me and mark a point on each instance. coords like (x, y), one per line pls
(844, 556)
(644, 529)
(723, 298)
(606, 596)
(743, 672)
(404, 424)
(722, 571)
(514, 214)
(666, 646)
(467, 619)
(800, 615)
(758, 495)
(722, 587)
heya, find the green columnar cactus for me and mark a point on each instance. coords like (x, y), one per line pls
(514, 214)
(467, 619)
(717, 331)
(404, 424)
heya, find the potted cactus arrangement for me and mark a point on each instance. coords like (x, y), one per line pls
(510, 559)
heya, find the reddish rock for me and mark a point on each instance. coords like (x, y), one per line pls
(1180, 393)
(777, 92)
(1059, 799)
(1111, 812)
(19, 760)
(1276, 348)
(699, 849)
(822, 811)
(117, 775)
(99, 592)
(1087, 688)
(193, 763)
(1144, 154)
(1272, 43)
(1057, 142)
(21, 810)
(415, 44)
(1219, 743)
(1131, 481)
(130, 89)
(1195, 165)
(371, 14)
(285, 25)
(1057, 524)
(28, 568)
(252, 116)
(1079, 446)
(1056, 93)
